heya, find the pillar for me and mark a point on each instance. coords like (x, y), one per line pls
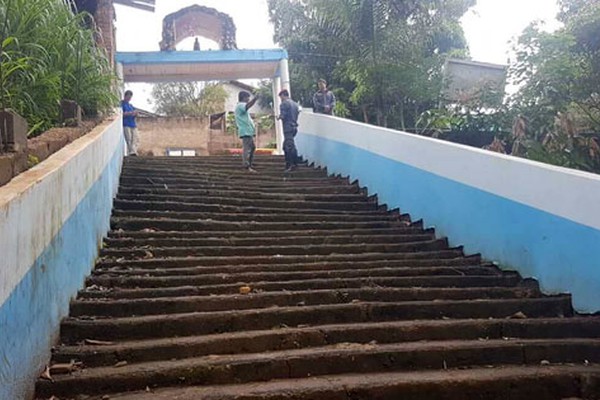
(284, 72)
(278, 124)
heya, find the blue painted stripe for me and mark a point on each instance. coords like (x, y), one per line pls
(201, 57)
(30, 317)
(560, 253)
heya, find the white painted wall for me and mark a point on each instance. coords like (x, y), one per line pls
(568, 193)
(33, 206)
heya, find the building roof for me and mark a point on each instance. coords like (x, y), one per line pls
(222, 65)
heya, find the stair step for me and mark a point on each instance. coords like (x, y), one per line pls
(337, 359)
(293, 338)
(74, 330)
(119, 243)
(188, 304)
(262, 249)
(514, 383)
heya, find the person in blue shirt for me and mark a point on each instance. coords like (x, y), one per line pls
(246, 128)
(288, 114)
(129, 125)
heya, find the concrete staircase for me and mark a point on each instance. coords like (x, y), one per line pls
(348, 300)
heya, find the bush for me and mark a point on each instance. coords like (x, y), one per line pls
(47, 54)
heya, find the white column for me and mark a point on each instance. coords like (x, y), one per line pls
(284, 72)
(120, 80)
(278, 124)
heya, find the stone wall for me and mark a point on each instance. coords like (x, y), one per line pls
(161, 133)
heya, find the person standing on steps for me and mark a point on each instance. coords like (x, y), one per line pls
(288, 114)
(324, 99)
(129, 125)
(246, 128)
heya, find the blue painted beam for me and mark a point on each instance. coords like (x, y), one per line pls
(201, 57)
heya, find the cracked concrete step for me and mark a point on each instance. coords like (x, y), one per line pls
(343, 358)
(225, 173)
(97, 291)
(500, 383)
(282, 216)
(247, 194)
(227, 284)
(382, 232)
(293, 338)
(245, 179)
(365, 205)
(123, 242)
(188, 304)
(144, 205)
(279, 187)
(172, 224)
(248, 189)
(74, 330)
(302, 268)
(431, 256)
(267, 249)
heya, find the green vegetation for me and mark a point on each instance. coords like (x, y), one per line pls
(188, 99)
(48, 53)
(382, 58)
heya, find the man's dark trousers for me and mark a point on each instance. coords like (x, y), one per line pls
(289, 148)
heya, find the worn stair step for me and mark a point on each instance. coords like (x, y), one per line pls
(253, 194)
(283, 187)
(187, 225)
(366, 205)
(281, 216)
(243, 179)
(338, 359)
(220, 267)
(223, 173)
(119, 243)
(150, 233)
(431, 256)
(228, 284)
(301, 268)
(144, 205)
(102, 289)
(188, 304)
(293, 338)
(501, 383)
(266, 249)
(74, 330)
(215, 187)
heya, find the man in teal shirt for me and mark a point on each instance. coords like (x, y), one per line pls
(246, 128)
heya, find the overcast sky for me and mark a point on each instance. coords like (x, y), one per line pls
(489, 26)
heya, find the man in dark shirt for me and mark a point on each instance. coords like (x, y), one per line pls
(288, 114)
(323, 100)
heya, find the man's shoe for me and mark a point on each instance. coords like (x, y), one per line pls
(252, 170)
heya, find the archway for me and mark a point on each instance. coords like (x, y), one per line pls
(198, 21)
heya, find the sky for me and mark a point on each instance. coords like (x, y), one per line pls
(489, 27)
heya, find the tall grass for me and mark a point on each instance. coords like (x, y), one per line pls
(47, 54)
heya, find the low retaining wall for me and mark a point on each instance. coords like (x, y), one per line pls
(52, 221)
(538, 219)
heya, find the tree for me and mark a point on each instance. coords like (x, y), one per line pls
(188, 99)
(559, 72)
(383, 58)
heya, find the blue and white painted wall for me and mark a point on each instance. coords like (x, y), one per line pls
(538, 219)
(52, 220)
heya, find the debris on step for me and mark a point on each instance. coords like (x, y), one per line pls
(92, 342)
(518, 315)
